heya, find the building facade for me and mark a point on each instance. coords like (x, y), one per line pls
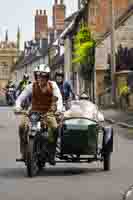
(124, 38)
(8, 57)
(99, 14)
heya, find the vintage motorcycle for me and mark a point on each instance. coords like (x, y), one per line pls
(80, 140)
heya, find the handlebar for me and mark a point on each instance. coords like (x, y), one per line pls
(26, 113)
(21, 112)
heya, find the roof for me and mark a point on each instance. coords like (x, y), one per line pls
(27, 60)
(8, 45)
(58, 60)
(32, 57)
(69, 18)
(72, 24)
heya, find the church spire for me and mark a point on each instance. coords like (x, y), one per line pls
(18, 38)
(6, 36)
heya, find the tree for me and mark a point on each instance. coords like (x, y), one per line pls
(84, 53)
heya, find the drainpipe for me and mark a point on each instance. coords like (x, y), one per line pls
(113, 62)
(79, 4)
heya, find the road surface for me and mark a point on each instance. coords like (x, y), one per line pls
(65, 181)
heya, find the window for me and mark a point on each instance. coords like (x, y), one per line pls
(4, 64)
(4, 73)
(93, 12)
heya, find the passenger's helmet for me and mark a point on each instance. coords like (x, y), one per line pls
(84, 96)
(60, 73)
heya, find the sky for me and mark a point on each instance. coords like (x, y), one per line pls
(21, 12)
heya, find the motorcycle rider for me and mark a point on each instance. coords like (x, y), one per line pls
(65, 89)
(47, 99)
(10, 87)
(22, 84)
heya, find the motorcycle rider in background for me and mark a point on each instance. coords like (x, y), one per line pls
(10, 93)
(65, 89)
(46, 99)
(22, 84)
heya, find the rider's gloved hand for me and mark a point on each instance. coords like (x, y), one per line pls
(59, 116)
(57, 113)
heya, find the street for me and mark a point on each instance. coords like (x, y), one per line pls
(65, 181)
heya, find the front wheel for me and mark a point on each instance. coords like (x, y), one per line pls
(107, 162)
(40, 166)
(32, 167)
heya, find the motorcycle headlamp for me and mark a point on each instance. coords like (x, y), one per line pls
(34, 117)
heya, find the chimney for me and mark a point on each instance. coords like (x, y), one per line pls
(40, 12)
(59, 11)
(62, 2)
(41, 25)
(37, 12)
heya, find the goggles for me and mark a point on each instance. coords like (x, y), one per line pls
(37, 73)
(44, 75)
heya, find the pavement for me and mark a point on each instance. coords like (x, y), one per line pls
(2, 99)
(121, 118)
(64, 181)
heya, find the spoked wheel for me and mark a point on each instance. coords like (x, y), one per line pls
(32, 161)
(39, 145)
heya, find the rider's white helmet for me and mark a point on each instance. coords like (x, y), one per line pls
(44, 68)
(36, 69)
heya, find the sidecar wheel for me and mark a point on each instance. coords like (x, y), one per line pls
(107, 162)
(40, 166)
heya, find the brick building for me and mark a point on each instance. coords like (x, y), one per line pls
(42, 31)
(98, 19)
(99, 13)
